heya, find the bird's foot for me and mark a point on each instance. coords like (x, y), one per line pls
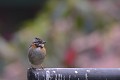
(33, 68)
(42, 67)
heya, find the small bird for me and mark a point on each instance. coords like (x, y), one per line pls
(37, 53)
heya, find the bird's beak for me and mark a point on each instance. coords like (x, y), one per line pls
(44, 42)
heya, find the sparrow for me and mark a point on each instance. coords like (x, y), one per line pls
(37, 53)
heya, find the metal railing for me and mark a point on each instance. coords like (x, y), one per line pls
(74, 74)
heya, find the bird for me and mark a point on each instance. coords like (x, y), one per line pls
(37, 53)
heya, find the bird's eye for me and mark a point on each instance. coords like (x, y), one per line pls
(36, 44)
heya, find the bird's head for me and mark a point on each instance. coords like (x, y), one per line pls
(39, 42)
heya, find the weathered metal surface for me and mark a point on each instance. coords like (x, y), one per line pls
(74, 74)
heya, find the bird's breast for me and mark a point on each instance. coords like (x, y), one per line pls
(36, 55)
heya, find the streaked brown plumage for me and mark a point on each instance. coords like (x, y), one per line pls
(37, 53)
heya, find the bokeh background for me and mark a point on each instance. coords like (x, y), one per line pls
(79, 34)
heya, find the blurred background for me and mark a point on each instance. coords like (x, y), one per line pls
(79, 34)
